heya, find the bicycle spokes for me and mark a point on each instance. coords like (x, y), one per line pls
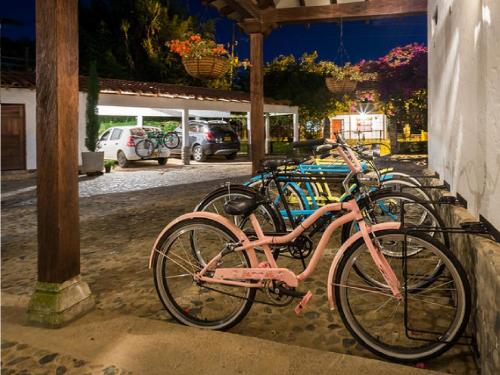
(179, 261)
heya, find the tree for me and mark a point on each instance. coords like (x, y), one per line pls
(402, 85)
(127, 39)
(92, 125)
(302, 83)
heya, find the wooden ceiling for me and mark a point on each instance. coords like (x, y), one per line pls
(263, 15)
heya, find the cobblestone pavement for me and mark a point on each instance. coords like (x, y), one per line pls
(117, 232)
(23, 359)
(140, 176)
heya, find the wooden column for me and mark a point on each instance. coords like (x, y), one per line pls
(57, 139)
(257, 143)
(59, 295)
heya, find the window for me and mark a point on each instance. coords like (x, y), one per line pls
(117, 133)
(105, 136)
(194, 128)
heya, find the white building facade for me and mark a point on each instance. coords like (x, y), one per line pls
(464, 101)
(127, 98)
(360, 125)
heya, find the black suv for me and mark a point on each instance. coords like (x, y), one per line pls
(210, 138)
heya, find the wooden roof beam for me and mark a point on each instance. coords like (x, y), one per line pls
(246, 8)
(264, 4)
(345, 11)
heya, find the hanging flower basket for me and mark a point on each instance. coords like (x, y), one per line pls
(207, 67)
(341, 86)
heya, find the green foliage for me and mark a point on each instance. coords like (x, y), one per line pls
(92, 118)
(107, 122)
(128, 39)
(109, 163)
(302, 83)
(281, 127)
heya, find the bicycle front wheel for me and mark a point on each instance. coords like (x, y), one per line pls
(426, 322)
(195, 303)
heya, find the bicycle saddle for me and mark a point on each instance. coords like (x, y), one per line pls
(274, 164)
(241, 206)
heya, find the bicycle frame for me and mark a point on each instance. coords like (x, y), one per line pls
(269, 270)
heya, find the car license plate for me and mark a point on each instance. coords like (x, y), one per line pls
(227, 139)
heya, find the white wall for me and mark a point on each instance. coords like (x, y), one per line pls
(464, 100)
(28, 98)
(350, 125)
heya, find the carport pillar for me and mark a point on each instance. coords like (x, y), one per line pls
(186, 146)
(268, 134)
(60, 295)
(139, 120)
(296, 133)
(249, 138)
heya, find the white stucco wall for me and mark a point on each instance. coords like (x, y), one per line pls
(28, 98)
(464, 100)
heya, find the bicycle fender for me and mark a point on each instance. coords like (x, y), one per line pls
(212, 216)
(342, 250)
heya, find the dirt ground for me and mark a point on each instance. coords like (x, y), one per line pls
(117, 232)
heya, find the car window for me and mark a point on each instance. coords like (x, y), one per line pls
(194, 128)
(117, 133)
(220, 127)
(105, 136)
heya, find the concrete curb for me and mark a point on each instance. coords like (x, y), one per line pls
(146, 346)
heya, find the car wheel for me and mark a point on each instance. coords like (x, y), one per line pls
(231, 156)
(162, 161)
(123, 162)
(198, 154)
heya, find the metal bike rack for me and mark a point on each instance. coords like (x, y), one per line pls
(466, 228)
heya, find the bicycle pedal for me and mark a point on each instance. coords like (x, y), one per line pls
(302, 304)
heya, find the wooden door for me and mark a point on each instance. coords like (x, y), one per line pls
(13, 137)
(335, 127)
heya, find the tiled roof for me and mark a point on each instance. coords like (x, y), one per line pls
(124, 87)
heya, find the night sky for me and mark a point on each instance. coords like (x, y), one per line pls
(362, 40)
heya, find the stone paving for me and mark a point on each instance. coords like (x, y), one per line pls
(24, 359)
(117, 232)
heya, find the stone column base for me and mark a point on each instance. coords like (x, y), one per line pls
(55, 304)
(186, 155)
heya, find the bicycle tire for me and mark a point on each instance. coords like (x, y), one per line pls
(165, 294)
(144, 148)
(398, 354)
(171, 140)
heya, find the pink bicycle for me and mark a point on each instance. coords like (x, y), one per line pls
(207, 272)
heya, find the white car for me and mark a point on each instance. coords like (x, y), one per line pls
(118, 144)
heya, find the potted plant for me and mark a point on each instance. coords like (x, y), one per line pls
(202, 58)
(108, 165)
(92, 161)
(344, 79)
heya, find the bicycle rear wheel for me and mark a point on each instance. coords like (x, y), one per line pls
(194, 303)
(144, 148)
(426, 323)
(171, 140)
